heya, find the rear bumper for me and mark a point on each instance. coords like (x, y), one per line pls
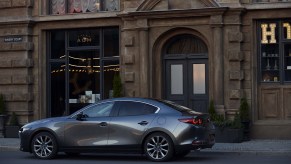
(198, 144)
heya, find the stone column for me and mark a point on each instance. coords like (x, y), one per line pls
(218, 65)
(144, 57)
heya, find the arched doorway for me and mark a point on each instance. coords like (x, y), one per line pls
(185, 65)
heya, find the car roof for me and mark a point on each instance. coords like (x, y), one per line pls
(149, 100)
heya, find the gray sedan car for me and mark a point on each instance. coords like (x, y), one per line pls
(159, 129)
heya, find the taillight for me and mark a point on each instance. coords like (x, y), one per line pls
(194, 121)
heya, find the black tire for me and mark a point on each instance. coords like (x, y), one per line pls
(158, 147)
(44, 146)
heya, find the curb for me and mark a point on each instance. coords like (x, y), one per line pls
(9, 148)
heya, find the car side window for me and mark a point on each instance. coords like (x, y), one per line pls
(128, 108)
(99, 110)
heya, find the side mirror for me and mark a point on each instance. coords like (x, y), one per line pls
(80, 116)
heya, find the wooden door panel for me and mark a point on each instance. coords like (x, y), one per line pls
(287, 103)
(270, 105)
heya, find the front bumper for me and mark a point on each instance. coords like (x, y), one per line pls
(24, 140)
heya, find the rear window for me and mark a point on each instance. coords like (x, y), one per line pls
(130, 108)
(178, 107)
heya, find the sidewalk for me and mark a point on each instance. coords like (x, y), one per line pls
(253, 146)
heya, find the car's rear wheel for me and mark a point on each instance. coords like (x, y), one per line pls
(159, 147)
(44, 145)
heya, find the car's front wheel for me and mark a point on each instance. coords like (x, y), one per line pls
(44, 145)
(159, 147)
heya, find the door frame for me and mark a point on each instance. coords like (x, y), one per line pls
(187, 63)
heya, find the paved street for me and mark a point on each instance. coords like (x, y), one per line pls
(16, 157)
(250, 152)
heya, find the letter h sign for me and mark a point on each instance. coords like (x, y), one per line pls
(271, 33)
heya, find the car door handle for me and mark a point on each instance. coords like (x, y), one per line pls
(143, 123)
(103, 124)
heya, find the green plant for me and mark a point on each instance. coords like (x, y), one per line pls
(218, 120)
(211, 111)
(117, 86)
(221, 122)
(14, 120)
(236, 123)
(2, 105)
(244, 110)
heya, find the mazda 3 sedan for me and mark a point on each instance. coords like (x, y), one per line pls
(159, 129)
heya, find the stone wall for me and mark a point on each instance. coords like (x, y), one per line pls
(16, 63)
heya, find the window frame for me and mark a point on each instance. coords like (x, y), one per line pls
(50, 61)
(281, 43)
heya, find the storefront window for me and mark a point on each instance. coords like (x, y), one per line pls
(61, 7)
(57, 82)
(58, 44)
(89, 77)
(110, 68)
(275, 51)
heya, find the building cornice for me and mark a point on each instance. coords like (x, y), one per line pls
(175, 13)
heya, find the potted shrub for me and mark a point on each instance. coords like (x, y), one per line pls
(117, 86)
(235, 130)
(2, 116)
(11, 130)
(245, 118)
(226, 131)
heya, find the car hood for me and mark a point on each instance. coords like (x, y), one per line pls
(46, 120)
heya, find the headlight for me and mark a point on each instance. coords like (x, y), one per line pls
(23, 129)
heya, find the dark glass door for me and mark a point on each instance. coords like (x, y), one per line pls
(186, 83)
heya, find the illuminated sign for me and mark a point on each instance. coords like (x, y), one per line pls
(266, 33)
(288, 28)
(269, 32)
(84, 39)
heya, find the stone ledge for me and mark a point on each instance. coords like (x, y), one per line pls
(25, 63)
(235, 94)
(22, 80)
(129, 59)
(236, 37)
(6, 64)
(129, 77)
(5, 80)
(5, 4)
(129, 41)
(235, 56)
(15, 3)
(20, 97)
(236, 75)
(25, 46)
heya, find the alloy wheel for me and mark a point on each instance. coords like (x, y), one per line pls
(44, 146)
(159, 147)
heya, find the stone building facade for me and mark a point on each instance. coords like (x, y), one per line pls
(55, 53)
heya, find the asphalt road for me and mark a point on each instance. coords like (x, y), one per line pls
(16, 157)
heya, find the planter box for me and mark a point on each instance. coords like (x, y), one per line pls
(228, 135)
(2, 123)
(11, 131)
